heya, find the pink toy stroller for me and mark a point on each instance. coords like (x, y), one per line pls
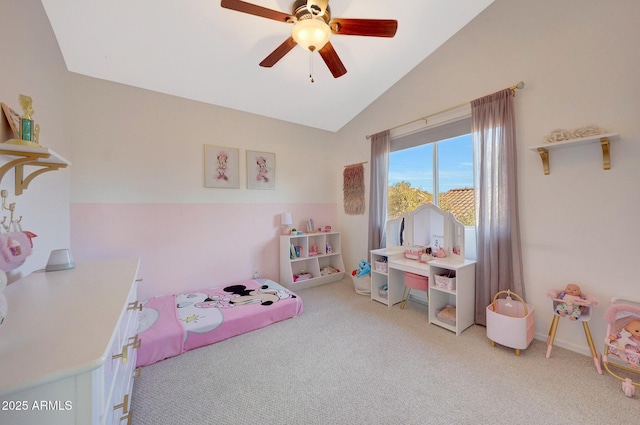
(622, 342)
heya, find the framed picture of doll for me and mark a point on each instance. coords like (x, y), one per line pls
(261, 170)
(221, 167)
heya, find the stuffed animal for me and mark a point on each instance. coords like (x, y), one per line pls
(573, 302)
(364, 269)
(3, 299)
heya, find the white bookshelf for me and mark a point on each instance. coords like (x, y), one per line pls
(314, 254)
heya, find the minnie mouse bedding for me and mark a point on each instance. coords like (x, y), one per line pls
(174, 324)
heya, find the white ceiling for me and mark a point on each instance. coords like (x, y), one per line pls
(197, 50)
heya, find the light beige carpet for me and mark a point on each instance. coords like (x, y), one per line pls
(350, 360)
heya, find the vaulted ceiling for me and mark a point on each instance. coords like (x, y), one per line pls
(198, 50)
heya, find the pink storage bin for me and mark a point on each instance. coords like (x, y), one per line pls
(445, 282)
(380, 266)
(510, 322)
(414, 252)
(415, 281)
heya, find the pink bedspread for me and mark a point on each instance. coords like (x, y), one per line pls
(174, 324)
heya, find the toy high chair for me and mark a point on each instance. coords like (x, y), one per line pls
(570, 303)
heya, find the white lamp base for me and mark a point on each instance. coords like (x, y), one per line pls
(60, 259)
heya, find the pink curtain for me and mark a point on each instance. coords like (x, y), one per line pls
(499, 259)
(378, 188)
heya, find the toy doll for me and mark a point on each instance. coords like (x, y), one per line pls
(573, 302)
(628, 339)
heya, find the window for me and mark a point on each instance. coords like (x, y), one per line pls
(434, 165)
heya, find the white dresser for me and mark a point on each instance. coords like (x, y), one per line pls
(68, 345)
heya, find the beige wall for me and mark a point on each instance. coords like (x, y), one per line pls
(138, 155)
(132, 149)
(134, 145)
(32, 65)
(577, 57)
(579, 61)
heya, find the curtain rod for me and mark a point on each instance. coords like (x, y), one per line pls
(357, 163)
(518, 86)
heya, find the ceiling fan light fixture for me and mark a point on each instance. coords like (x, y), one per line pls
(317, 7)
(311, 34)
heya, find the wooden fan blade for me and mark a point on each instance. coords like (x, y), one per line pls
(252, 9)
(332, 60)
(279, 53)
(366, 27)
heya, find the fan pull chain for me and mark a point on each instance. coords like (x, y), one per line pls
(311, 67)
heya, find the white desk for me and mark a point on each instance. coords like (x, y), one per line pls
(463, 297)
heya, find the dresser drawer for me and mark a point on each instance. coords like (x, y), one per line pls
(84, 372)
(119, 368)
(129, 323)
(119, 410)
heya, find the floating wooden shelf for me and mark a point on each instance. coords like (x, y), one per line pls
(36, 156)
(604, 139)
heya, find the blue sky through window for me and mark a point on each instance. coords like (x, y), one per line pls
(415, 165)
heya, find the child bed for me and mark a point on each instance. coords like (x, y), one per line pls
(173, 324)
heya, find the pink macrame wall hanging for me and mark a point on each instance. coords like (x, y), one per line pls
(353, 187)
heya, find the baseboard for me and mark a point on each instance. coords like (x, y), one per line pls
(580, 349)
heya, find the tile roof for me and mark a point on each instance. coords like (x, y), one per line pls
(460, 202)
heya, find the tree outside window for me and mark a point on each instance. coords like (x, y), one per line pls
(444, 168)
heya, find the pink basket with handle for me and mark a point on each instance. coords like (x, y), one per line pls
(510, 322)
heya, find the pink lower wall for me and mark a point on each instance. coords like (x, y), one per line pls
(189, 246)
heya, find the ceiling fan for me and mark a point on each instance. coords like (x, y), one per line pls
(312, 28)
